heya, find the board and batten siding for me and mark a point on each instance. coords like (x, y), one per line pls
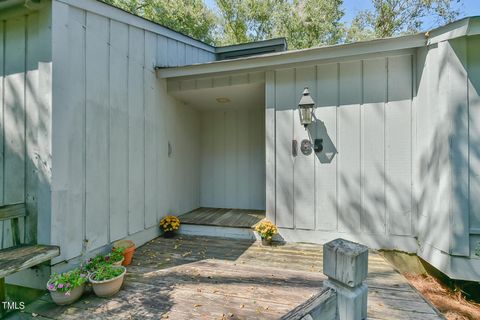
(444, 147)
(361, 183)
(232, 158)
(473, 58)
(25, 69)
(112, 125)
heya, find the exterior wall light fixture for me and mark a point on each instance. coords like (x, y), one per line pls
(305, 109)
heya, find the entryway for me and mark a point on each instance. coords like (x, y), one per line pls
(233, 218)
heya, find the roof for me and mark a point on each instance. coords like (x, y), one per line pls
(464, 27)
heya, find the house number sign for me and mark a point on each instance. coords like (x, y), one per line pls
(306, 147)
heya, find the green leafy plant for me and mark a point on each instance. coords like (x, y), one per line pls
(477, 249)
(107, 272)
(92, 264)
(67, 281)
(115, 256)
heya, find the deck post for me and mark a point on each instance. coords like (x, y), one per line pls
(345, 263)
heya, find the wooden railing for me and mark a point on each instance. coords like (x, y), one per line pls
(344, 296)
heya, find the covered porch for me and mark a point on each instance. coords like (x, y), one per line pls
(229, 148)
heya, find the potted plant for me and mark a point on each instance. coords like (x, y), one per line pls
(66, 288)
(169, 225)
(115, 257)
(128, 247)
(107, 279)
(266, 229)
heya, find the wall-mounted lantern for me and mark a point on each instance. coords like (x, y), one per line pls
(305, 109)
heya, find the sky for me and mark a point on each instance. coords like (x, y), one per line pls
(467, 7)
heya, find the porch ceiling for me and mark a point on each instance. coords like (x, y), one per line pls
(228, 97)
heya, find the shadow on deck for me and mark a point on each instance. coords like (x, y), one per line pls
(216, 278)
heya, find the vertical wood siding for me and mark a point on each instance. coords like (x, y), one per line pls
(361, 182)
(112, 124)
(233, 158)
(446, 155)
(21, 57)
(474, 129)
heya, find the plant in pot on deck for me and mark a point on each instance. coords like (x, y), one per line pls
(169, 225)
(128, 247)
(266, 229)
(107, 279)
(66, 288)
(116, 257)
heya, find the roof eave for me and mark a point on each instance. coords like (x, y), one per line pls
(295, 56)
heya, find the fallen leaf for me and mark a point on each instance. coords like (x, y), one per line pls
(197, 305)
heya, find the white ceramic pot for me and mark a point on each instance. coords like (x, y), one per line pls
(118, 263)
(62, 298)
(107, 288)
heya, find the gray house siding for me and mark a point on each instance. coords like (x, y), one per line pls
(112, 124)
(361, 184)
(448, 156)
(232, 165)
(25, 72)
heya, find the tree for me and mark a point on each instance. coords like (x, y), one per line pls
(191, 17)
(305, 23)
(311, 23)
(249, 20)
(394, 17)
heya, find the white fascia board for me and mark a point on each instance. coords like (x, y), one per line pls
(465, 27)
(296, 56)
(117, 14)
(474, 26)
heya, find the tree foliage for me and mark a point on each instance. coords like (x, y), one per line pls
(395, 17)
(311, 23)
(304, 23)
(248, 20)
(191, 17)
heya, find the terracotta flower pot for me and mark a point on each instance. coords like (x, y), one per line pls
(107, 288)
(63, 298)
(129, 249)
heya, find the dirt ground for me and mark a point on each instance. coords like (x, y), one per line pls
(451, 303)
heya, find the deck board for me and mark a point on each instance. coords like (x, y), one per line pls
(215, 278)
(238, 218)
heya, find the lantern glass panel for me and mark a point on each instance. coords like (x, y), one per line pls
(305, 115)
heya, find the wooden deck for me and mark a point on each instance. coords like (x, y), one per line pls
(215, 278)
(238, 218)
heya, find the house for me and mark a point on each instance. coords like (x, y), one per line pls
(110, 122)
